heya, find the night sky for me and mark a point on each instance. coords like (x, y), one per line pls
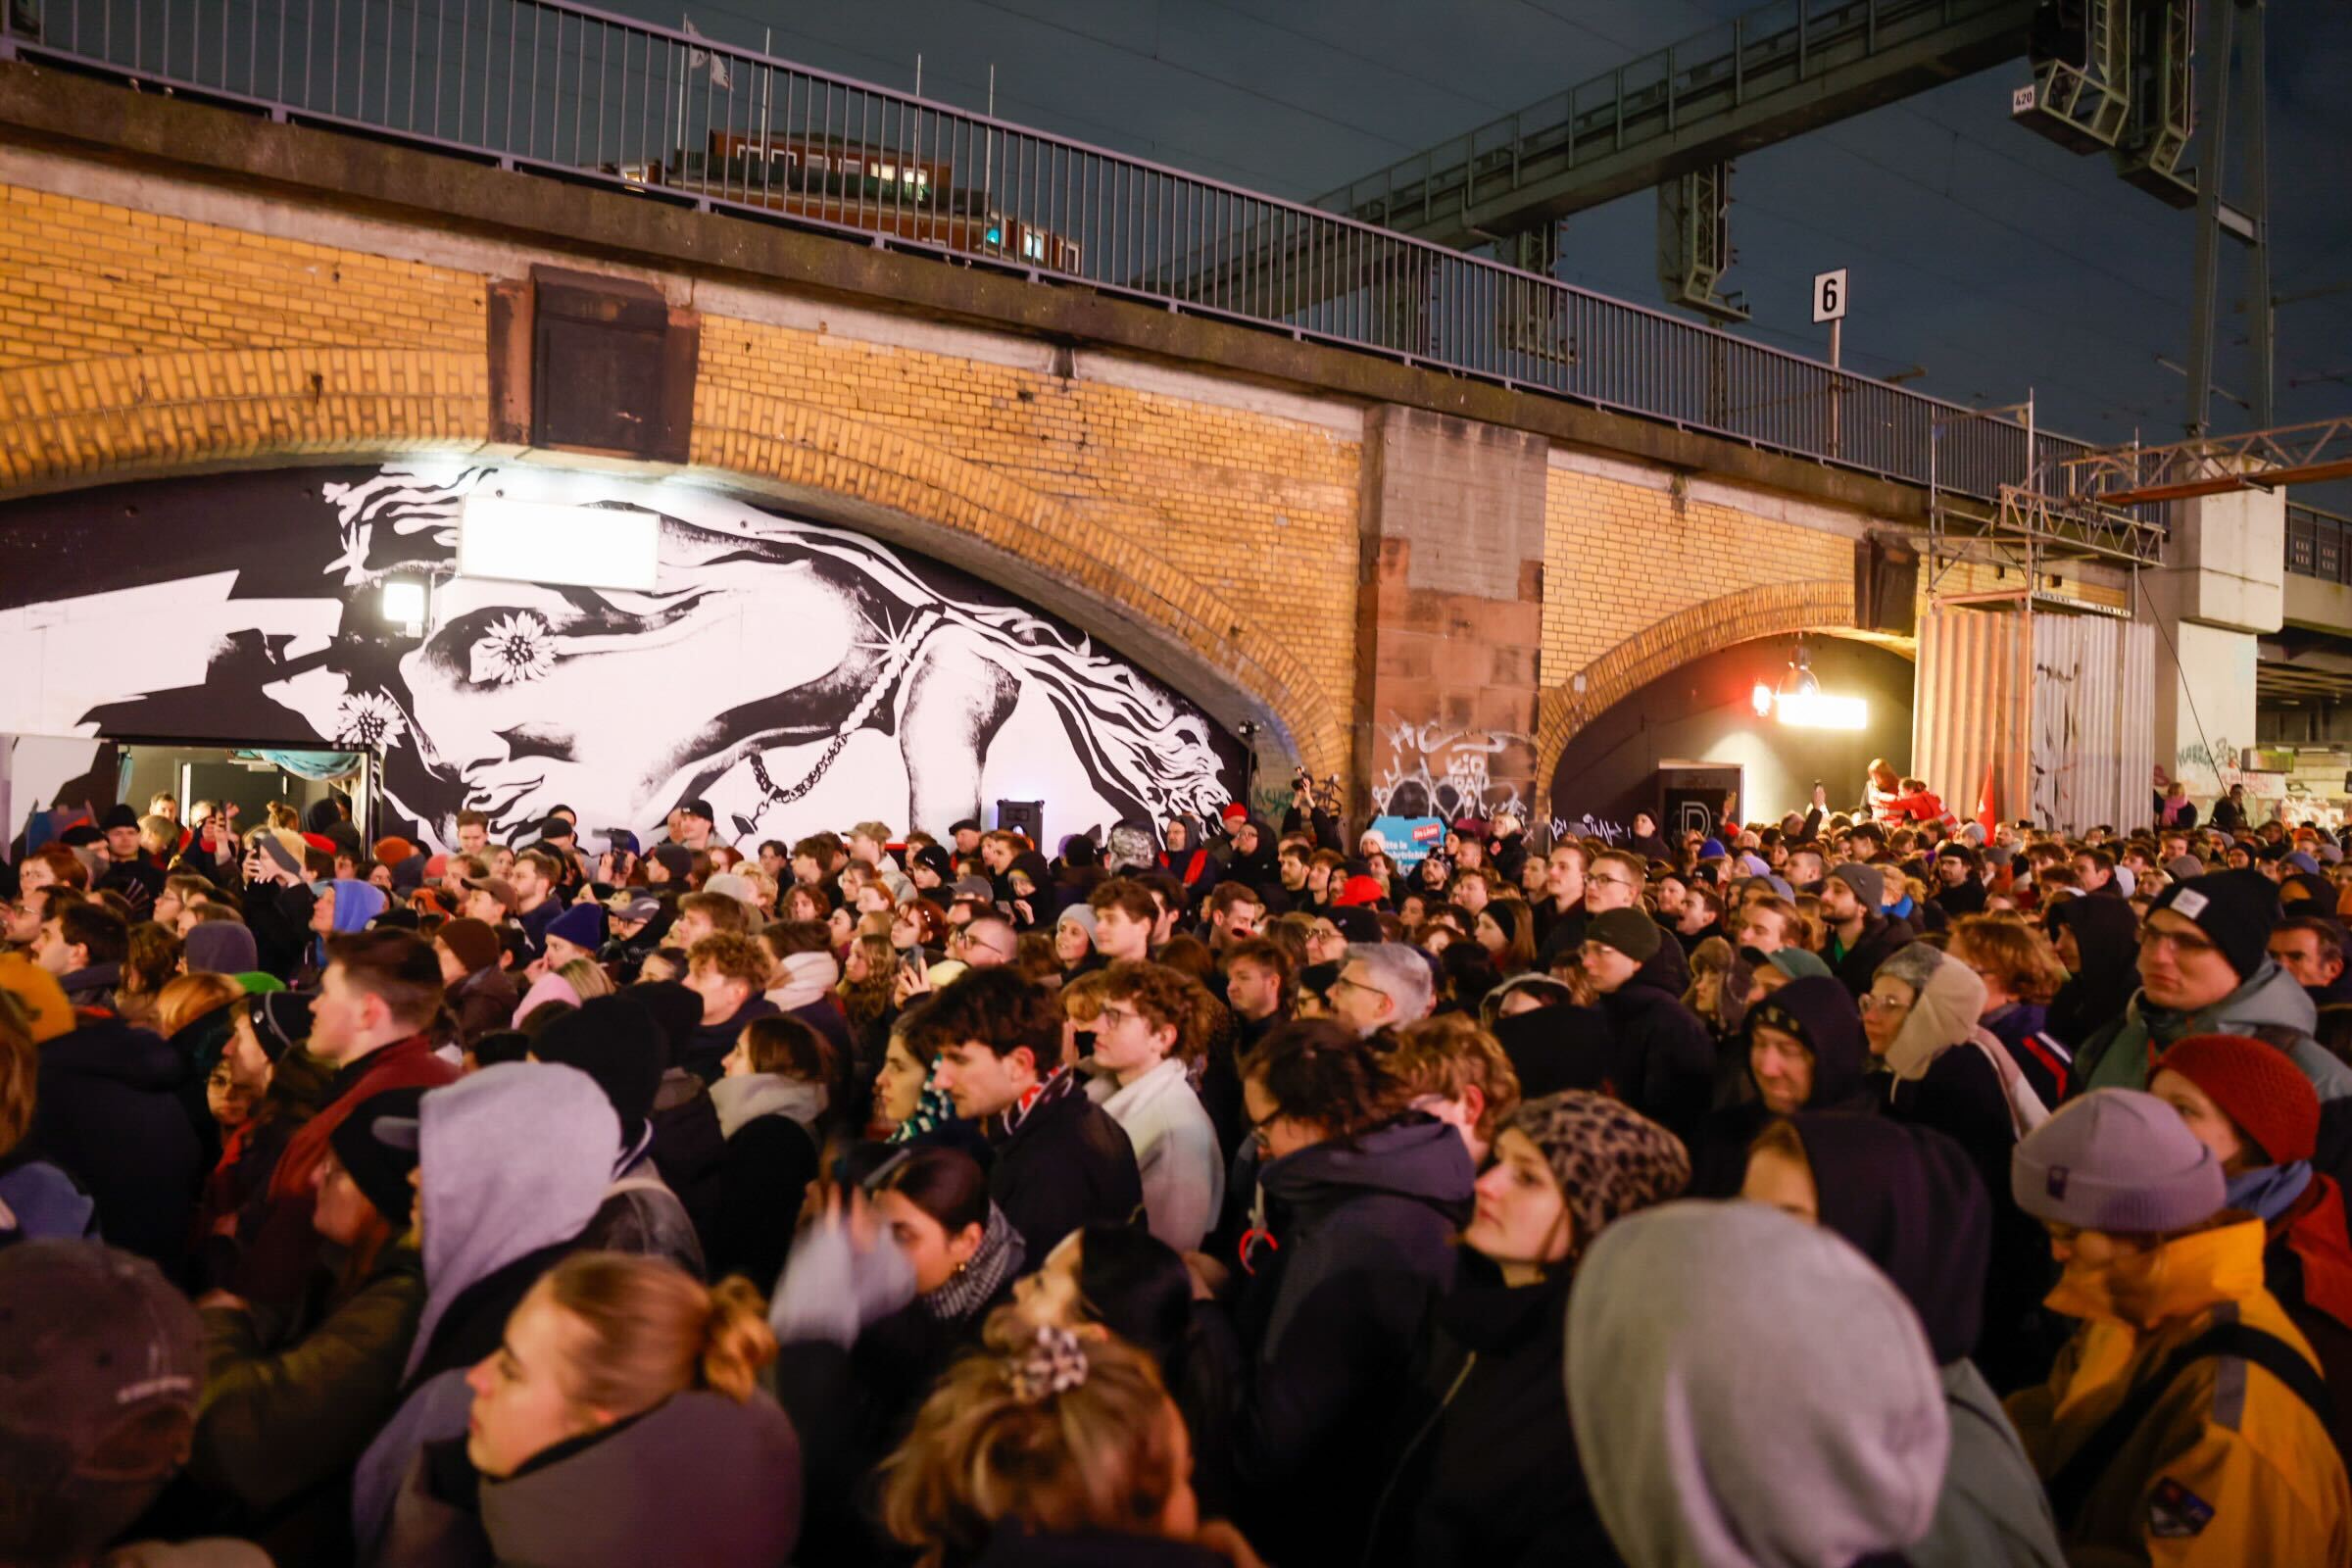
(1988, 257)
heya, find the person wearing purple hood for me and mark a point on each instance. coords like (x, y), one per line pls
(1910, 1200)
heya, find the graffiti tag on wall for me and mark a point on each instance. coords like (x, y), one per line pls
(1434, 769)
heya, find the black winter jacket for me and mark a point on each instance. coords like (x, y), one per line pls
(1487, 1473)
(1879, 938)
(1366, 1243)
(1066, 1166)
(1668, 1050)
(108, 1112)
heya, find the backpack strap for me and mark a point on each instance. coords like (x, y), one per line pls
(2090, 1463)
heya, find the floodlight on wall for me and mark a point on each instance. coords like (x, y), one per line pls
(549, 542)
(1799, 702)
(402, 602)
(1800, 681)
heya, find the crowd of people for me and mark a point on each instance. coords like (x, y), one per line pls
(1865, 1187)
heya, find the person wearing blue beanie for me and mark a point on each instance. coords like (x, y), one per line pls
(577, 933)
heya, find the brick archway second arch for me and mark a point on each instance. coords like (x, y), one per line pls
(1772, 609)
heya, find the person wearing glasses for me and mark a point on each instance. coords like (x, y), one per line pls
(2205, 968)
(1382, 985)
(1617, 880)
(1944, 1070)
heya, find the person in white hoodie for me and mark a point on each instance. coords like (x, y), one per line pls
(512, 1163)
(1770, 1398)
(1143, 1059)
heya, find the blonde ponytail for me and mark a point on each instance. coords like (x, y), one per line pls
(736, 1338)
(644, 1330)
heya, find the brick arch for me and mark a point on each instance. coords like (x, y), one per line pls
(883, 480)
(1772, 609)
(92, 421)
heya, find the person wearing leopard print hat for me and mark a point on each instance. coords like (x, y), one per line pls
(1484, 1467)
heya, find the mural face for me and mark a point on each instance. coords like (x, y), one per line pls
(797, 676)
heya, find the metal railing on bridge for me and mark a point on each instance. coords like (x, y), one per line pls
(562, 90)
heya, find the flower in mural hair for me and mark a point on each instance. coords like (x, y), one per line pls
(369, 722)
(516, 648)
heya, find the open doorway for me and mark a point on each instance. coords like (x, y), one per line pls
(247, 779)
(59, 781)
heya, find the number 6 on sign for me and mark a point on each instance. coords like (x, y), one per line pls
(1829, 296)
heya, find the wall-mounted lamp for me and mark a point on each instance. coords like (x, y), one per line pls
(1800, 703)
(402, 601)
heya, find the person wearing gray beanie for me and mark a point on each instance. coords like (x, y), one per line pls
(2186, 1421)
(1861, 937)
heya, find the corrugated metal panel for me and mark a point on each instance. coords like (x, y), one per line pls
(2093, 721)
(1965, 717)
(2137, 747)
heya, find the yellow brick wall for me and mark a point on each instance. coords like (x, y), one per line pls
(1619, 558)
(80, 279)
(133, 341)
(1258, 509)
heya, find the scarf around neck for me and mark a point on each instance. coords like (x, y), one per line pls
(2269, 1190)
(977, 1282)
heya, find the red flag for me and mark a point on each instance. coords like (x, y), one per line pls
(1989, 810)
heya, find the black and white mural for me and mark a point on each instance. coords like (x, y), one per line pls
(797, 676)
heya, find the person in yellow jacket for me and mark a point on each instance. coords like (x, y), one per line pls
(2183, 1422)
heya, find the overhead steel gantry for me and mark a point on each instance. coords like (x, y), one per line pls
(2112, 75)
(1673, 119)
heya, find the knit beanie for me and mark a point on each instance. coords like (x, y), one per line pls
(615, 1041)
(676, 859)
(1868, 882)
(220, 947)
(2118, 1160)
(1630, 931)
(582, 925)
(1797, 963)
(379, 1170)
(472, 942)
(392, 849)
(1359, 892)
(1608, 1159)
(1080, 915)
(2256, 1087)
(2180, 868)
(281, 1020)
(2235, 909)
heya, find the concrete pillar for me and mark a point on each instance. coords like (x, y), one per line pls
(2220, 587)
(1451, 618)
